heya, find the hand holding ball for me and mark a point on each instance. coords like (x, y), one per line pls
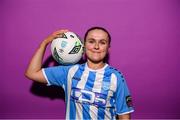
(67, 49)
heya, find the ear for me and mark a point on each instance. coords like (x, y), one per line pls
(109, 45)
(108, 50)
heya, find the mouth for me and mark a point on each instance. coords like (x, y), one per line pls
(96, 52)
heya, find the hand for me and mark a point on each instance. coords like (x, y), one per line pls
(55, 35)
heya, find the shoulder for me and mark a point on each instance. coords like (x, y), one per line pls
(114, 70)
(75, 67)
(116, 73)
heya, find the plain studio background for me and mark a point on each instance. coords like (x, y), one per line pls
(145, 48)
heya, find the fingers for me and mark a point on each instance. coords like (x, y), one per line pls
(55, 35)
(59, 33)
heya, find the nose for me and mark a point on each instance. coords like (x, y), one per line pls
(96, 46)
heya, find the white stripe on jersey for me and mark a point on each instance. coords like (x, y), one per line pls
(113, 87)
(107, 114)
(48, 83)
(97, 88)
(93, 112)
(79, 111)
(71, 73)
(81, 84)
(98, 82)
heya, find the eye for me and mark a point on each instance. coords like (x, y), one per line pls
(90, 41)
(103, 42)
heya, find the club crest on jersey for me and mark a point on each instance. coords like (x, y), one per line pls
(105, 85)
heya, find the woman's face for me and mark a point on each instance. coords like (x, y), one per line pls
(96, 45)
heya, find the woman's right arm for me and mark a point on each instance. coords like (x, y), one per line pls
(34, 69)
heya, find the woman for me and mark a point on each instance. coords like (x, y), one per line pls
(93, 90)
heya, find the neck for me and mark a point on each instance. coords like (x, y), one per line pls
(95, 66)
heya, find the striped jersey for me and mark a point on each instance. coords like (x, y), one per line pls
(91, 94)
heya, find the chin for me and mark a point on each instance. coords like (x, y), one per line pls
(96, 60)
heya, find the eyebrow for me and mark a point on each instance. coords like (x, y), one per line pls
(99, 40)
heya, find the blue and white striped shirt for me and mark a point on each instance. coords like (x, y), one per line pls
(91, 94)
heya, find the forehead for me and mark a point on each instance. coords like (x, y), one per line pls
(97, 34)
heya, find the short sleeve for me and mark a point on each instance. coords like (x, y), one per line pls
(56, 75)
(123, 98)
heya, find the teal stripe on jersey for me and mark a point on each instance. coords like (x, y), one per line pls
(75, 79)
(86, 115)
(90, 82)
(89, 85)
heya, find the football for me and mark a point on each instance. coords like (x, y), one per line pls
(67, 49)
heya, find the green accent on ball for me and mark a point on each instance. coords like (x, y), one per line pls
(77, 43)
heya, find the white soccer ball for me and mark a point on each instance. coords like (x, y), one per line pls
(67, 49)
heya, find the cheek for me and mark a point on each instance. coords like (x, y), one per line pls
(88, 46)
(104, 49)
